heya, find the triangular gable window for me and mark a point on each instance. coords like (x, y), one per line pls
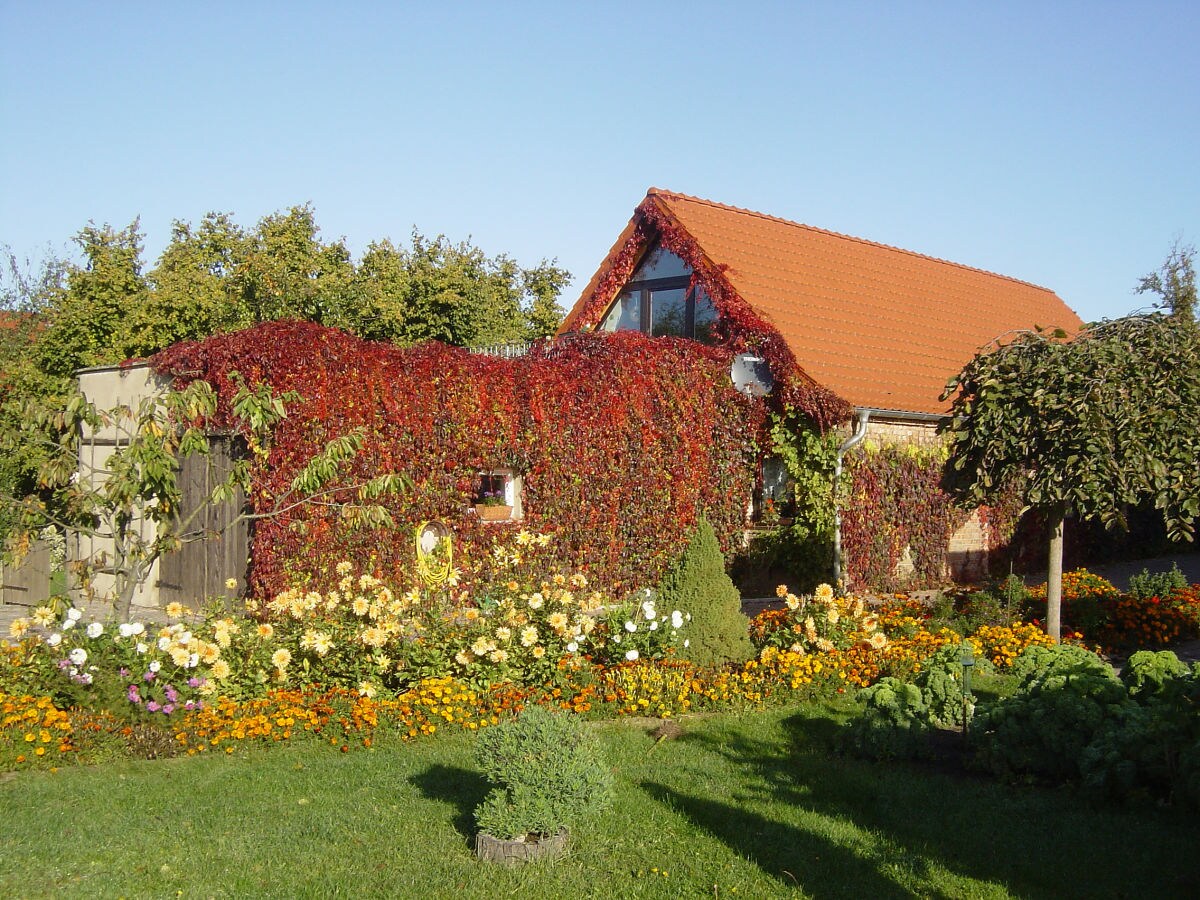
(660, 301)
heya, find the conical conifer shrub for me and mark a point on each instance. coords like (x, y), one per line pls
(718, 632)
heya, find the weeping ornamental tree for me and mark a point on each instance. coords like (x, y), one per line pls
(1087, 426)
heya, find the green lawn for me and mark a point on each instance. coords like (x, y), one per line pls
(749, 805)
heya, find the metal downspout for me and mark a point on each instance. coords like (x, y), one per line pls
(860, 432)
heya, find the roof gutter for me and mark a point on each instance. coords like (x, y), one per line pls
(860, 432)
(902, 414)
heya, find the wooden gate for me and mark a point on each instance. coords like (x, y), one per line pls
(199, 569)
(28, 583)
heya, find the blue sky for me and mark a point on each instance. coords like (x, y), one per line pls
(1055, 142)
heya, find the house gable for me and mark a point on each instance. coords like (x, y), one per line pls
(873, 326)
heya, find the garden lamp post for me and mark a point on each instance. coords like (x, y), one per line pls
(967, 658)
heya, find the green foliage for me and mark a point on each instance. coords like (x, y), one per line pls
(1011, 592)
(87, 324)
(1174, 282)
(899, 715)
(1064, 659)
(999, 605)
(718, 632)
(895, 723)
(941, 684)
(437, 290)
(1065, 696)
(1149, 674)
(641, 629)
(1145, 584)
(1150, 749)
(1094, 423)
(803, 548)
(547, 770)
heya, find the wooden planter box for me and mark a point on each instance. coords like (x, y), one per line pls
(493, 513)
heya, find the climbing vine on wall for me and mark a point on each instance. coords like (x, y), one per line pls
(896, 502)
(621, 442)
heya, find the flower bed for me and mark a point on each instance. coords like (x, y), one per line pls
(345, 663)
(1104, 616)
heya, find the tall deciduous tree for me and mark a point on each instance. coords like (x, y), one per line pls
(1087, 426)
(27, 288)
(87, 325)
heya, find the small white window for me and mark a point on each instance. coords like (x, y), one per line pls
(498, 496)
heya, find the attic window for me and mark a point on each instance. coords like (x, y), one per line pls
(660, 301)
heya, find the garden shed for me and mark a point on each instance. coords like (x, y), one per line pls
(856, 331)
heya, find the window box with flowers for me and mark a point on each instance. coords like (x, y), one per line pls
(498, 497)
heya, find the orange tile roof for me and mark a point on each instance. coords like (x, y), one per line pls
(879, 326)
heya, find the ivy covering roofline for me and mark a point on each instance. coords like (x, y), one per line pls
(739, 328)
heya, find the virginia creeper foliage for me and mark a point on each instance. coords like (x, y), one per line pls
(622, 443)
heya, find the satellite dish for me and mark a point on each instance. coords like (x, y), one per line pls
(751, 375)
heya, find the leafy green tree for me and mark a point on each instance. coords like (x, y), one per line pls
(1174, 282)
(381, 289)
(544, 284)
(1087, 426)
(192, 292)
(288, 273)
(87, 325)
(27, 288)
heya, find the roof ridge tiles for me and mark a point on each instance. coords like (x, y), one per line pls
(661, 192)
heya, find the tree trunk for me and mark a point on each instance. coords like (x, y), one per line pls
(1054, 576)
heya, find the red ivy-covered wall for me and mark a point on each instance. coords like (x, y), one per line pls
(622, 442)
(897, 501)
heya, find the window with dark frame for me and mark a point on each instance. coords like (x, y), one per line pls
(493, 486)
(659, 300)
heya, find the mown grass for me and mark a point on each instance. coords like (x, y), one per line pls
(749, 805)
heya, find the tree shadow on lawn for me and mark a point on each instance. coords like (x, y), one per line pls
(924, 817)
(797, 858)
(463, 788)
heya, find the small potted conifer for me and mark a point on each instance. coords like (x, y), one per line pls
(548, 775)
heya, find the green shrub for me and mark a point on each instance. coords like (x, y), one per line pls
(1012, 592)
(967, 611)
(941, 684)
(1149, 674)
(548, 773)
(899, 715)
(719, 632)
(1066, 695)
(1146, 584)
(1151, 750)
(893, 726)
(1038, 662)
